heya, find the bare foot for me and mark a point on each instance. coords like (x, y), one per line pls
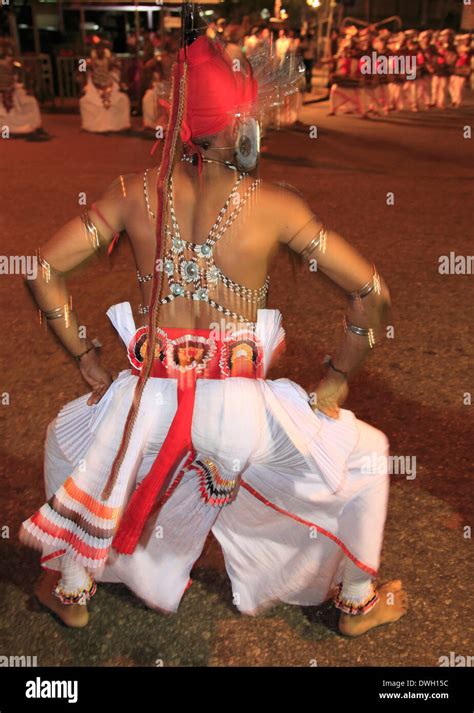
(392, 605)
(73, 615)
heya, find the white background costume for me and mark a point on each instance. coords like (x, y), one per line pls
(104, 107)
(18, 110)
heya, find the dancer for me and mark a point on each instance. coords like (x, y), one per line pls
(425, 60)
(153, 113)
(409, 86)
(461, 71)
(443, 68)
(104, 107)
(194, 438)
(19, 112)
(346, 93)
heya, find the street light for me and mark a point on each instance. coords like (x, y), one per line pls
(314, 3)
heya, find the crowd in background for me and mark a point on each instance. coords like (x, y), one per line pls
(407, 70)
(337, 65)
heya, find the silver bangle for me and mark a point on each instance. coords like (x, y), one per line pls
(360, 331)
(46, 267)
(370, 286)
(64, 311)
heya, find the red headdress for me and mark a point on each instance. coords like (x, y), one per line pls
(218, 88)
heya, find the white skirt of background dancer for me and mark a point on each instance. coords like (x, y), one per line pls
(150, 109)
(96, 117)
(348, 99)
(423, 91)
(456, 89)
(439, 91)
(312, 500)
(410, 95)
(396, 96)
(24, 116)
(377, 98)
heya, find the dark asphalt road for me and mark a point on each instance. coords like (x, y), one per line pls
(412, 388)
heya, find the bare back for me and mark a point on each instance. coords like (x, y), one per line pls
(225, 224)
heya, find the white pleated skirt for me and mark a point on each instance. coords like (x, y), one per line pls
(312, 489)
(24, 117)
(97, 118)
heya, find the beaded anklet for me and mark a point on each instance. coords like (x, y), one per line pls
(81, 596)
(351, 606)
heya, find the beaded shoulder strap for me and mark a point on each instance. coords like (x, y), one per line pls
(218, 228)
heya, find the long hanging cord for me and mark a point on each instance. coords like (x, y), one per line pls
(178, 98)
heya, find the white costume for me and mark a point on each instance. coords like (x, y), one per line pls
(151, 108)
(104, 107)
(18, 110)
(312, 496)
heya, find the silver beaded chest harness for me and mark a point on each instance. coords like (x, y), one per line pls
(190, 268)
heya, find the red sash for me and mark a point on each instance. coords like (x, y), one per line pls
(186, 358)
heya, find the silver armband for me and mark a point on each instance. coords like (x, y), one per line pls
(92, 234)
(319, 242)
(373, 285)
(360, 331)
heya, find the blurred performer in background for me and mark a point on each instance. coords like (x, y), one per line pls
(19, 111)
(443, 68)
(194, 438)
(378, 92)
(347, 95)
(283, 45)
(233, 41)
(308, 53)
(409, 86)
(397, 47)
(425, 60)
(104, 106)
(461, 71)
(153, 113)
(251, 41)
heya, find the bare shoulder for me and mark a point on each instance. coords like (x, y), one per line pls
(120, 189)
(286, 207)
(129, 189)
(131, 185)
(118, 201)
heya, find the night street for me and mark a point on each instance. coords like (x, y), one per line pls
(415, 387)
